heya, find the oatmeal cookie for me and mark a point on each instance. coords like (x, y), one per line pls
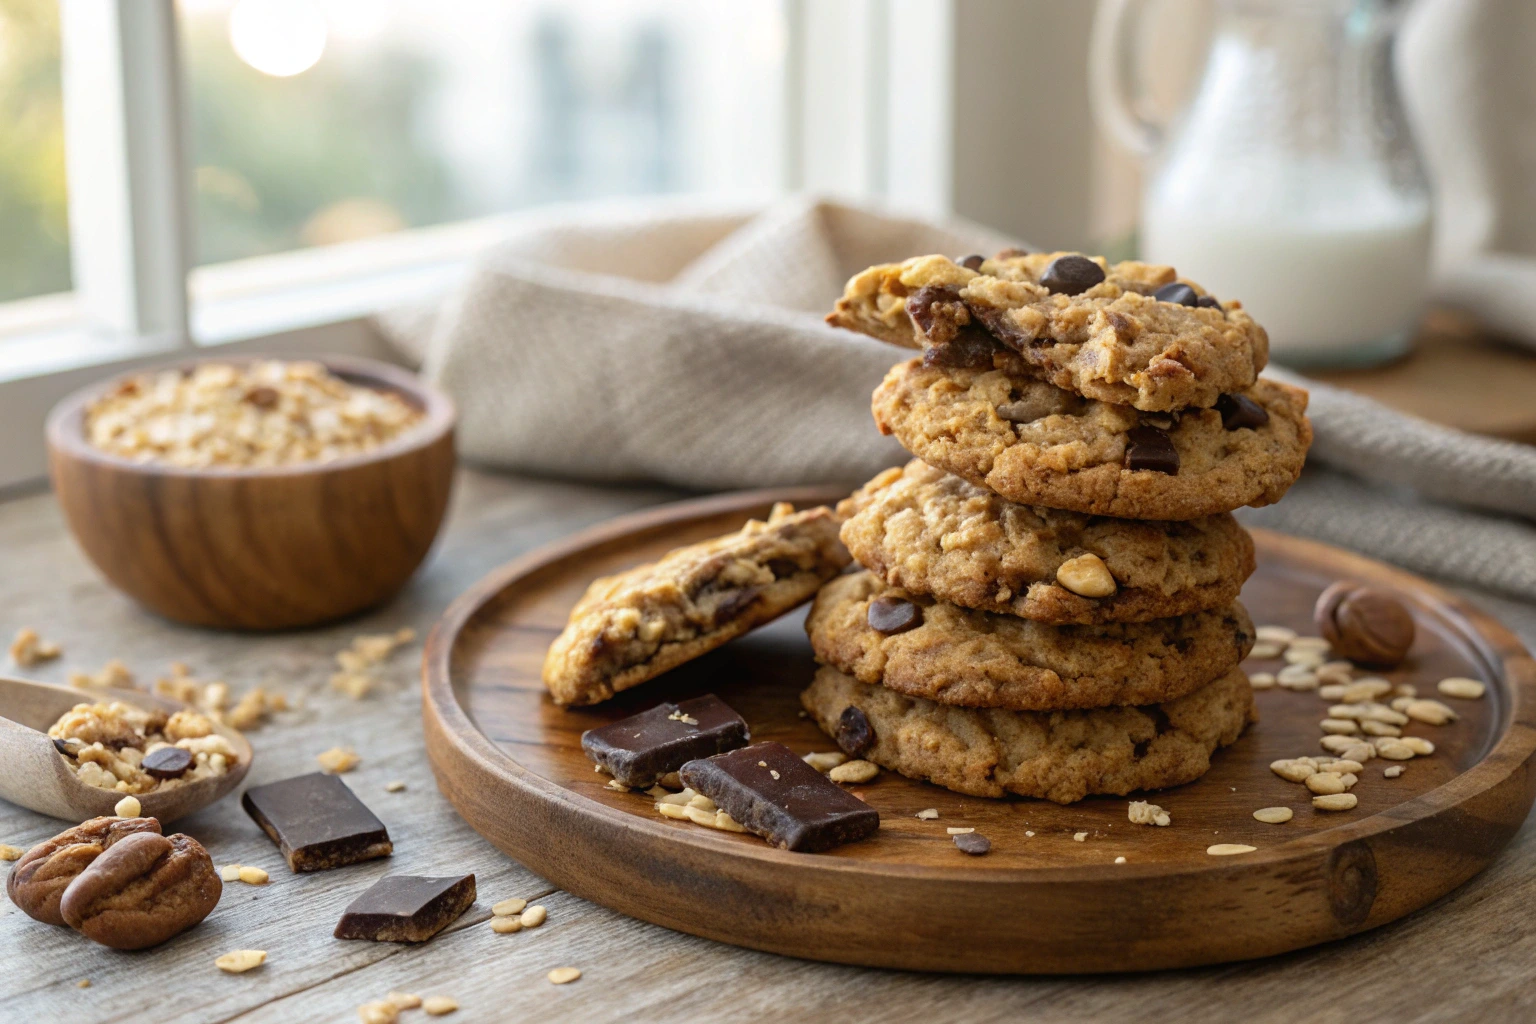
(931, 532)
(1132, 333)
(634, 626)
(1035, 444)
(1058, 755)
(953, 655)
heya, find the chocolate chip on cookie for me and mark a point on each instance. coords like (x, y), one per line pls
(1177, 292)
(1151, 448)
(971, 262)
(1071, 275)
(1239, 411)
(854, 733)
(1208, 302)
(891, 615)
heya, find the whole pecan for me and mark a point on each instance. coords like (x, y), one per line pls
(39, 879)
(142, 891)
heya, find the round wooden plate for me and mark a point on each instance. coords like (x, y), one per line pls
(1041, 902)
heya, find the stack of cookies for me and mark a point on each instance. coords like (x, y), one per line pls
(1048, 605)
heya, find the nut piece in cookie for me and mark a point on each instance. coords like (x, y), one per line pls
(1129, 333)
(636, 625)
(143, 890)
(38, 880)
(771, 792)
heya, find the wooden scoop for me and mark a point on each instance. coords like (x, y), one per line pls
(34, 775)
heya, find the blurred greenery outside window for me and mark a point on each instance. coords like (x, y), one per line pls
(34, 228)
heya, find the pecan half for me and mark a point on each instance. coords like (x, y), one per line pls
(144, 890)
(39, 879)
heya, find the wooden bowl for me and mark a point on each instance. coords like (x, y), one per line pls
(268, 548)
(37, 778)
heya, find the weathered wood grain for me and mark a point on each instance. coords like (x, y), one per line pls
(1467, 956)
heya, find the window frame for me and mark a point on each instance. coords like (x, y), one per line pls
(138, 300)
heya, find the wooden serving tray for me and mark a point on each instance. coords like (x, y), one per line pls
(511, 762)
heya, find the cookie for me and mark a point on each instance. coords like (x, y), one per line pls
(634, 626)
(953, 655)
(1036, 444)
(928, 531)
(1132, 333)
(1058, 755)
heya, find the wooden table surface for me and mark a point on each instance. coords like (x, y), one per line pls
(1470, 956)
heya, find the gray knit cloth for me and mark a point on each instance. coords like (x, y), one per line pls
(685, 345)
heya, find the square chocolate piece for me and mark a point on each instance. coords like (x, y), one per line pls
(642, 748)
(406, 908)
(317, 822)
(770, 791)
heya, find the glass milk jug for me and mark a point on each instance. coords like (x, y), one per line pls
(1291, 181)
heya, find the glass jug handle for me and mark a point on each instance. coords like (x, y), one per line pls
(1111, 75)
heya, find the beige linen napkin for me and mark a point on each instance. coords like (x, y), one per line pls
(685, 345)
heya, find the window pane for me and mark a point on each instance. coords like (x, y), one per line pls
(321, 121)
(34, 236)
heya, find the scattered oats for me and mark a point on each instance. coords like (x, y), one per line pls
(1335, 802)
(1079, 837)
(1143, 813)
(667, 810)
(564, 975)
(1273, 815)
(1311, 643)
(928, 814)
(29, 649)
(1405, 690)
(1337, 744)
(1418, 744)
(1275, 634)
(597, 767)
(1393, 772)
(230, 872)
(1262, 680)
(773, 773)
(1394, 750)
(436, 1006)
(83, 983)
(671, 780)
(252, 876)
(338, 760)
(1431, 712)
(114, 674)
(394, 787)
(1401, 703)
(506, 908)
(1461, 688)
(1333, 691)
(1332, 667)
(1382, 713)
(700, 801)
(1340, 726)
(1297, 677)
(403, 1000)
(241, 960)
(825, 762)
(1228, 849)
(762, 764)
(127, 807)
(1364, 690)
(8, 852)
(380, 1012)
(854, 772)
(1303, 656)
(1292, 770)
(1341, 765)
(686, 719)
(1359, 753)
(1119, 860)
(617, 786)
(354, 684)
(1325, 783)
(1029, 834)
(506, 925)
(533, 916)
(958, 831)
(1263, 650)
(1371, 727)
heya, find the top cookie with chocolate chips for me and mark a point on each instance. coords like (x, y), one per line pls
(1130, 333)
(1035, 444)
(633, 626)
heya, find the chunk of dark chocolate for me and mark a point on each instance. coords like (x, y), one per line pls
(642, 748)
(854, 733)
(771, 792)
(973, 844)
(1071, 275)
(406, 908)
(891, 615)
(1177, 292)
(1239, 411)
(317, 822)
(1150, 448)
(972, 262)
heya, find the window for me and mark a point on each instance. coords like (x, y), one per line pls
(315, 123)
(34, 240)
